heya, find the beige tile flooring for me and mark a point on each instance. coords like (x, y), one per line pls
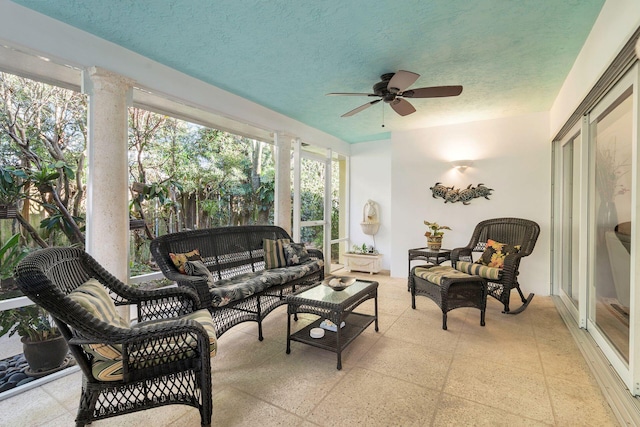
(522, 370)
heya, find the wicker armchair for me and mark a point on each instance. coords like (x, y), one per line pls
(161, 362)
(512, 231)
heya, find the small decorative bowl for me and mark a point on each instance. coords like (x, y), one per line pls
(338, 283)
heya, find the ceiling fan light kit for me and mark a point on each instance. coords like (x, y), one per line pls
(393, 88)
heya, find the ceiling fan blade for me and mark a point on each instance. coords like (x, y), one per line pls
(402, 107)
(360, 108)
(433, 92)
(350, 94)
(402, 80)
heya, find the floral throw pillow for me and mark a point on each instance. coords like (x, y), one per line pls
(274, 253)
(295, 253)
(495, 253)
(180, 259)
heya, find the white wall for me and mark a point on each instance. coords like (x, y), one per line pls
(511, 155)
(617, 21)
(371, 179)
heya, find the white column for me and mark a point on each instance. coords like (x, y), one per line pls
(107, 230)
(282, 214)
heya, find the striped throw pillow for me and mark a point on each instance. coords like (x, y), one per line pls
(274, 253)
(94, 298)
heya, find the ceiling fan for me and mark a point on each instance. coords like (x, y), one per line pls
(393, 88)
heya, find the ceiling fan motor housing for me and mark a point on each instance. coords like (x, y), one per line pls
(382, 90)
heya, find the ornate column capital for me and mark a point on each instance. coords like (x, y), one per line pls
(101, 79)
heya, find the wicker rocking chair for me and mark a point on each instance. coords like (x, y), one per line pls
(158, 362)
(512, 231)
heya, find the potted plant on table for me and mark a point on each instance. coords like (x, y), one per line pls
(434, 235)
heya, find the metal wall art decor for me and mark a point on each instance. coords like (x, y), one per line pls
(465, 195)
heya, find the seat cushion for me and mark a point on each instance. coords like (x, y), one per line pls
(438, 273)
(244, 285)
(107, 362)
(490, 273)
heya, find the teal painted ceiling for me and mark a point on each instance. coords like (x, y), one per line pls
(511, 56)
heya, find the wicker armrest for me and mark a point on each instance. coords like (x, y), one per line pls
(458, 254)
(166, 303)
(316, 253)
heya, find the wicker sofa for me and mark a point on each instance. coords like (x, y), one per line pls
(242, 285)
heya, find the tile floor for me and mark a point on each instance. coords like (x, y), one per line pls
(522, 370)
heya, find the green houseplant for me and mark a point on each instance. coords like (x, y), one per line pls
(43, 346)
(434, 235)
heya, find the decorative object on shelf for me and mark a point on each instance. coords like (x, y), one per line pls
(434, 235)
(330, 326)
(452, 194)
(339, 283)
(316, 333)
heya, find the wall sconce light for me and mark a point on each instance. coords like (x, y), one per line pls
(461, 165)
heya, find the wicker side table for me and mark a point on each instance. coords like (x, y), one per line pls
(336, 306)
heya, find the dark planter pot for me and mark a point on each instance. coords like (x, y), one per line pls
(8, 211)
(45, 355)
(135, 224)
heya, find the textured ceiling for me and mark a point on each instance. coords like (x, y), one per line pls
(511, 56)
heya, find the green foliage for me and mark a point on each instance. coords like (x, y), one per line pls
(58, 221)
(30, 321)
(10, 255)
(12, 181)
(44, 178)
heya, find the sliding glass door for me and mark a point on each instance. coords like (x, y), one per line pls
(595, 215)
(611, 136)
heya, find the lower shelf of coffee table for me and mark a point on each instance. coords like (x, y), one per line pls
(354, 325)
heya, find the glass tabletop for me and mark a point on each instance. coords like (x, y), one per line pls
(326, 294)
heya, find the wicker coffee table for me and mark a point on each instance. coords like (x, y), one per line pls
(336, 306)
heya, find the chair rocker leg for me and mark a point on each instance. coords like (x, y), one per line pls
(525, 304)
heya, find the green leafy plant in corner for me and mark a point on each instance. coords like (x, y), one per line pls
(11, 182)
(11, 252)
(30, 322)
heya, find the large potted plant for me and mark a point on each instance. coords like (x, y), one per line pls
(43, 346)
